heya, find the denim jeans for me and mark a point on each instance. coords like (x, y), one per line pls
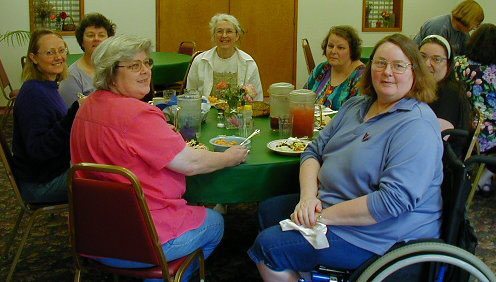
(205, 237)
(54, 191)
(288, 250)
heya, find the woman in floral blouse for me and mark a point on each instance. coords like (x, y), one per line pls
(335, 80)
(478, 70)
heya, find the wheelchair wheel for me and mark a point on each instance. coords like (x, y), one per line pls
(426, 252)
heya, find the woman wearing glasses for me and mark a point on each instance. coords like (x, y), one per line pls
(93, 30)
(361, 178)
(452, 106)
(42, 122)
(224, 62)
(466, 16)
(477, 70)
(115, 127)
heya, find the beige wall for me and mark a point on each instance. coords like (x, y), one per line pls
(131, 17)
(314, 19)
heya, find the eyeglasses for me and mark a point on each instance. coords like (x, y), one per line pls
(53, 52)
(221, 31)
(436, 60)
(92, 36)
(137, 65)
(398, 67)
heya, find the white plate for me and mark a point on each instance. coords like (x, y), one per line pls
(325, 111)
(284, 150)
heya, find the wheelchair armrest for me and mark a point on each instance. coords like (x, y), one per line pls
(455, 132)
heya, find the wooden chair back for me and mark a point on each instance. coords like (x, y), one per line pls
(307, 52)
(187, 48)
(183, 85)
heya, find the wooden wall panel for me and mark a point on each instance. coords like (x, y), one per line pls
(180, 20)
(270, 37)
(270, 27)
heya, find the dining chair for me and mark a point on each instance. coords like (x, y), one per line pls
(307, 52)
(187, 48)
(109, 218)
(8, 93)
(183, 84)
(32, 211)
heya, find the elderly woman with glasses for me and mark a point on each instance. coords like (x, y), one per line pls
(360, 179)
(116, 127)
(224, 63)
(466, 16)
(452, 106)
(42, 122)
(93, 30)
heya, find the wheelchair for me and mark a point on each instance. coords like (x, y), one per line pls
(450, 258)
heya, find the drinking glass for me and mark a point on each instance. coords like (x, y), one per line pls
(285, 126)
(168, 95)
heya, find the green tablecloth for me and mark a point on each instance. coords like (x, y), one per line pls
(168, 67)
(365, 56)
(264, 174)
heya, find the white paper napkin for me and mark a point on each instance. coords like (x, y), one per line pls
(316, 235)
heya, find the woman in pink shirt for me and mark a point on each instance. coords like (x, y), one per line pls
(115, 127)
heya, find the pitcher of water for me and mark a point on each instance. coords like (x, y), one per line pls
(188, 115)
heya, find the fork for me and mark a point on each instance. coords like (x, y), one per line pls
(257, 131)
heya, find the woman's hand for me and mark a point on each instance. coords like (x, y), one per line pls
(306, 210)
(237, 154)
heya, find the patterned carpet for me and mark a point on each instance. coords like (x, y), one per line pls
(47, 255)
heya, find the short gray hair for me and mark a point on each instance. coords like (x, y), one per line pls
(112, 51)
(228, 18)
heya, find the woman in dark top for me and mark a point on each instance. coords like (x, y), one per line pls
(452, 106)
(42, 122)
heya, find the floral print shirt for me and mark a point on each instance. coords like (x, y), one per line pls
(481, 90)
(329, 95)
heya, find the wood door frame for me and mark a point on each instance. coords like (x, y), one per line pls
(295, 35)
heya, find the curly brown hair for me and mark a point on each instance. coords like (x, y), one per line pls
(350, 35)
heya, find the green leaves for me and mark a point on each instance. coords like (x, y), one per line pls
(15, 38)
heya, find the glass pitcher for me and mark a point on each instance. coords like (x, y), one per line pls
(301, 109)
(188, 116)
(279, 105)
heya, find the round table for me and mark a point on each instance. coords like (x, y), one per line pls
(263, 175)
(168, 67)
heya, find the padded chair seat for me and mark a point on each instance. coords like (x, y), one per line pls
(152, 272)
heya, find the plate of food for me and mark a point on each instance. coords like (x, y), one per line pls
(290, 146)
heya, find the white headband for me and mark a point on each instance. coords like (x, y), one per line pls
(442, 40)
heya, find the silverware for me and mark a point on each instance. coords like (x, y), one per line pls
(257, 131)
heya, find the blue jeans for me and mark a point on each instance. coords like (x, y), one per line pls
(205, 237)
(288, 250)
(54, 191)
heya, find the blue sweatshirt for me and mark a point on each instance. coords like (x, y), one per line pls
(42, 125)
(394, 158)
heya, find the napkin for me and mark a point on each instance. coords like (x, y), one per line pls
(316, 235)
